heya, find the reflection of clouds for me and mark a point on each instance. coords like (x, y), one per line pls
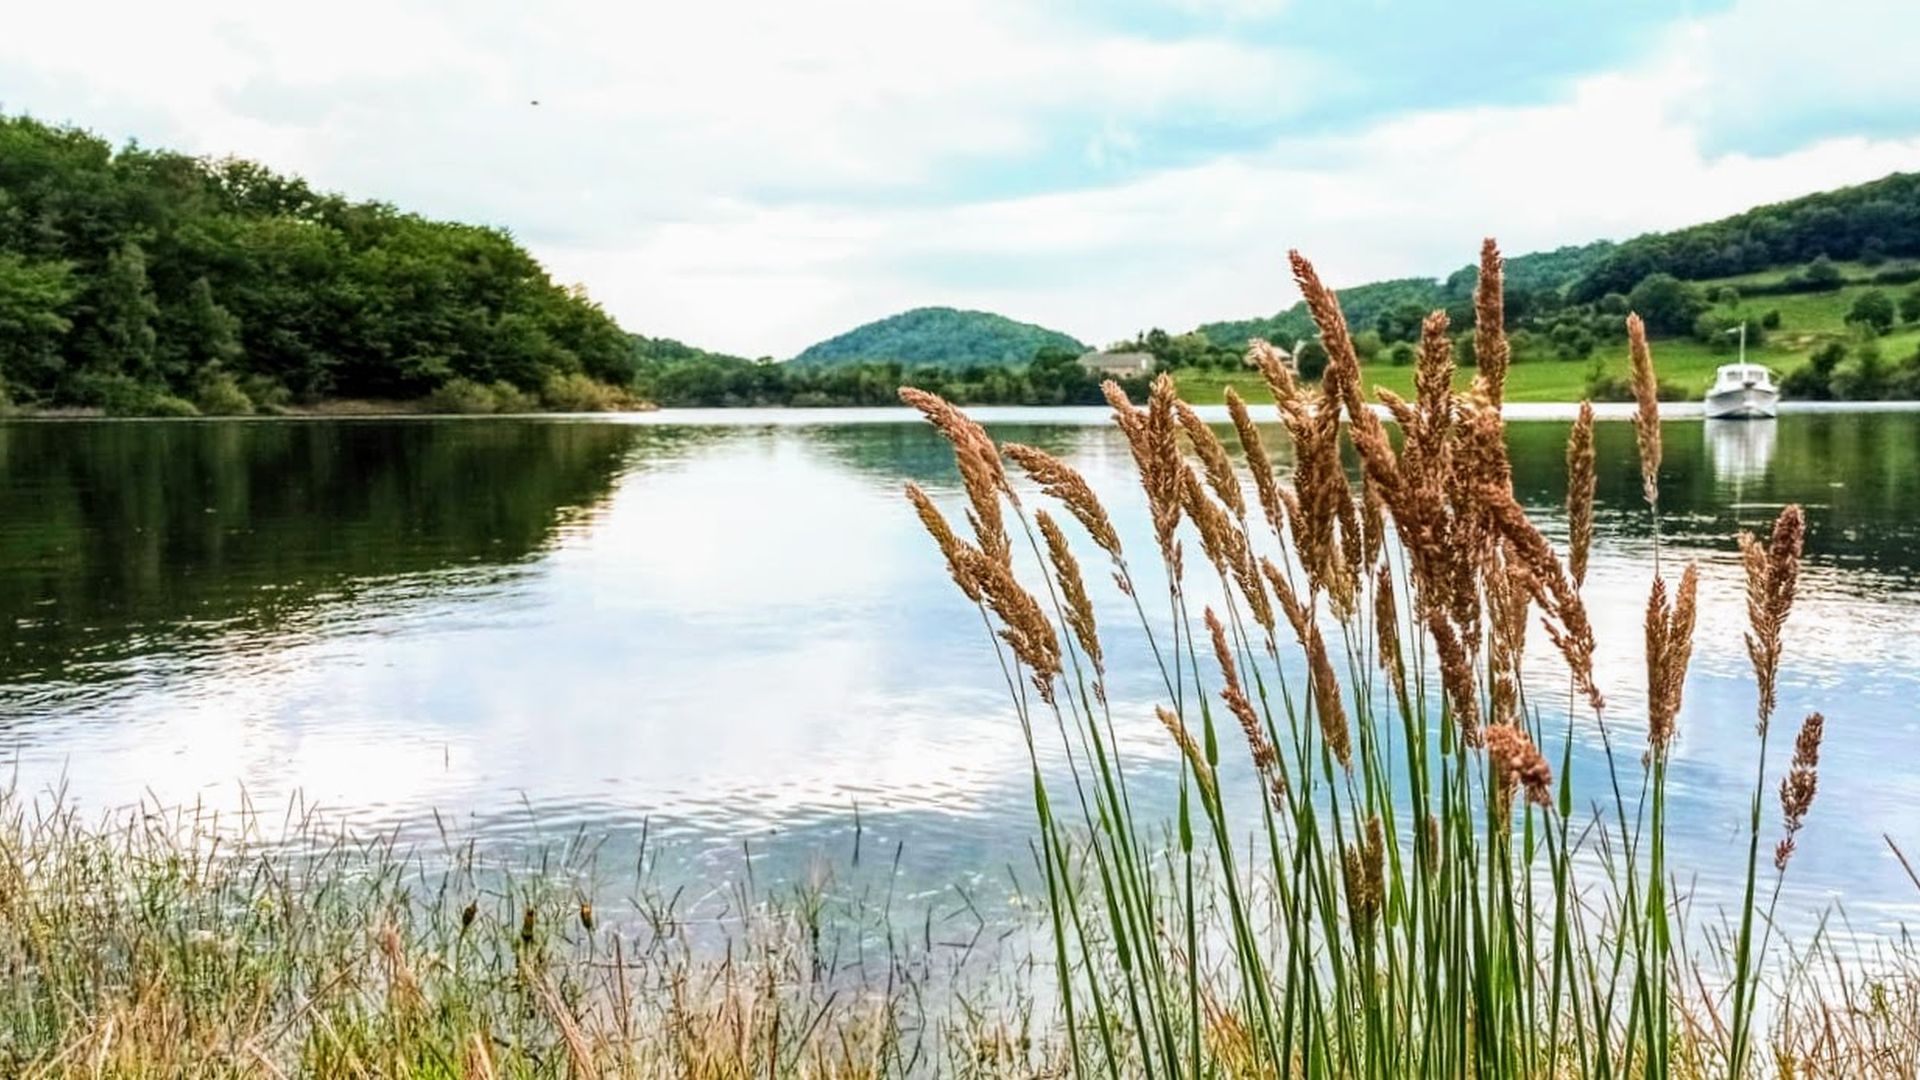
(752, 633)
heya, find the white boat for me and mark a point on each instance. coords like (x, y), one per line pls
(1742, 391)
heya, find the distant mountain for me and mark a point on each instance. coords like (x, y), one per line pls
(1868, 221)
(940, 335)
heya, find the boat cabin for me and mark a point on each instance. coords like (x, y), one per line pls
(1736, 376)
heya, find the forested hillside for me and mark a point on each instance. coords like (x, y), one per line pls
(146, 281)
(940, 335)
(1569, 296)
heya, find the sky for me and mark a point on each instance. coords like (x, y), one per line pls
(753, 177)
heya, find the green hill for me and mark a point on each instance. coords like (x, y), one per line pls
(146, 281)
(939, 335)
(1869, 222)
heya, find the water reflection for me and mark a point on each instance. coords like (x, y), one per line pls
(1740, 450)
(739, 631)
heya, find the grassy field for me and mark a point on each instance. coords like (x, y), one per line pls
(1807, 321)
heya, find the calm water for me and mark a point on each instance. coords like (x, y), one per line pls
(733, 637)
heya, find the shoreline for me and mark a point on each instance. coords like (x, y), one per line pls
(829, 415)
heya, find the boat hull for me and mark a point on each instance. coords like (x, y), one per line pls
(1745, 403)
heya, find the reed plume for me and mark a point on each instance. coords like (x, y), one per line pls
(1773, 573)
(1073, 588)
(1563, 613)
(1340, 382)
(1024, 625)
(1189, 749)
(1580, 486)
(952, 548)
(1669, 631)
(1798, 786)
(1064, 483)
(1265, 758)
(1491, 351)
(1519, 763)
(1156, 455)
(1265, 486)
(1278, 375)
(981, 474)
(1213, 457)
(1646, 416)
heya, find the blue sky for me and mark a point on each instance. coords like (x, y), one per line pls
(755, 176)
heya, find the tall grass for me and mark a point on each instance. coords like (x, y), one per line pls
(183, 943)
(1421, 888)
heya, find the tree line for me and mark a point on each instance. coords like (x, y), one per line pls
(672, 374)
(147, 281)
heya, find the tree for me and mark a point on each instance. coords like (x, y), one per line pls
(214, 332)
(1821, 275)
(1668, 305)
(1401, 322)
(1910, 305)
(1311, 359)
(124, 312)
(34, 297)
(1872, 311)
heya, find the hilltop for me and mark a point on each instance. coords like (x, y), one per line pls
(940, 335)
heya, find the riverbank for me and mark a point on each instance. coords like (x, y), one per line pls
(178, 942)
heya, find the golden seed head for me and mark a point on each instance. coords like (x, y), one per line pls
(1773, 575)
(951, 546)
(1061, 481)
(1189, 749)
(1797, 788)
(1669, 649)
(1580, 485)
(1646, 417)
(1073, 588)
(1520, 763)
(1490, 349)
(1258, 462)
(1213, 457)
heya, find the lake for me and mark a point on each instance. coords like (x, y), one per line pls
(724, 635)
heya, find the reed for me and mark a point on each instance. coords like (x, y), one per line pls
(1417, 890)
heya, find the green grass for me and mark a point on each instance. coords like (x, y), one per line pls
(1807, 321)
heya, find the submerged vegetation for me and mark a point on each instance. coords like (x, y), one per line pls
(1413, 883)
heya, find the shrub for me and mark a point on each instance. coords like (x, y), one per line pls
(460, 396)
(575, 392)
(267, 393)
(508, 398)
(219, 395)
(1872, 311)
(122, 395)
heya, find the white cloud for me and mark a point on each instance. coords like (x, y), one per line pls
(755, 176)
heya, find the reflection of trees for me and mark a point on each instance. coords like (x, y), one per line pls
(125, 536)
(1857, 474)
